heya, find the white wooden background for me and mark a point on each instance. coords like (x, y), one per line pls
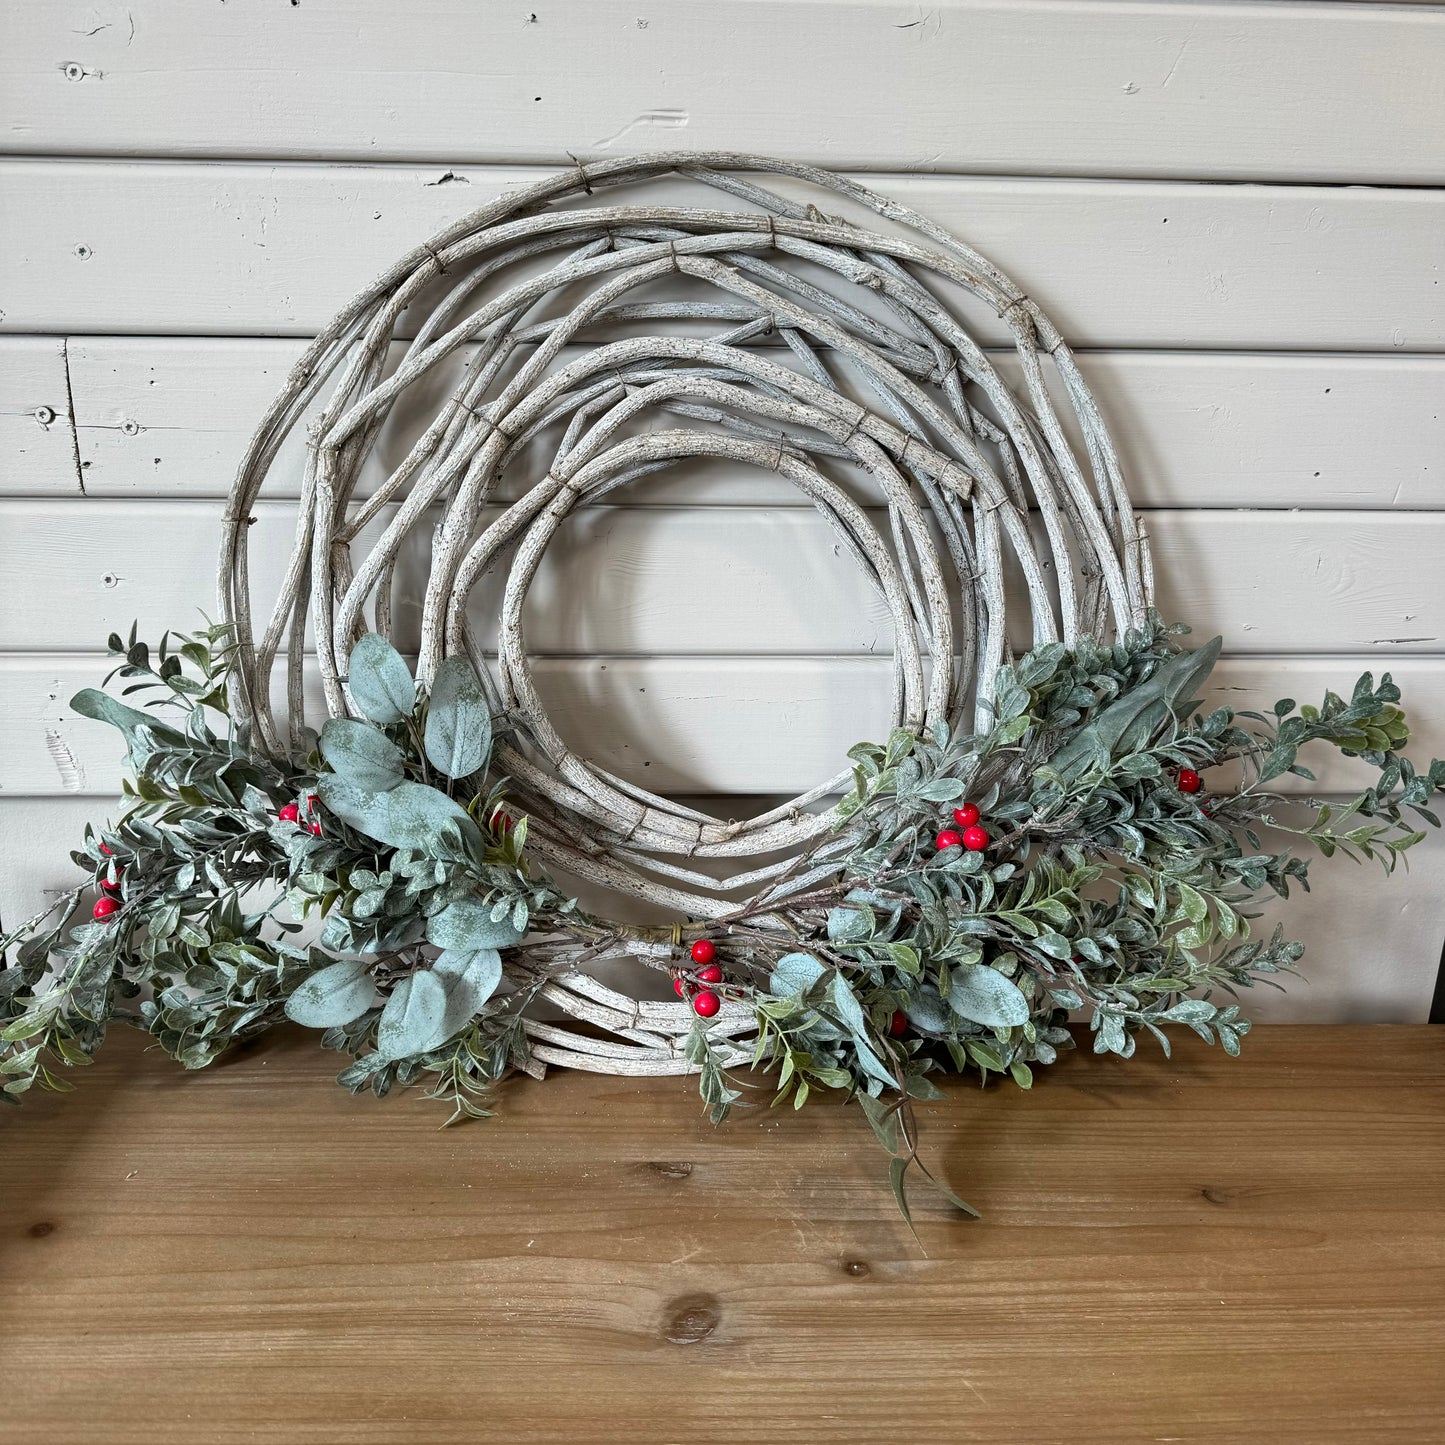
(1228, 207)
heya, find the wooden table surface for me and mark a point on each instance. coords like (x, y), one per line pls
(1208, 1249)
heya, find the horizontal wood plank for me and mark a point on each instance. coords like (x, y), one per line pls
(1372, 943)
(1252, 1244)
(686, 725)
(37, 438)
(627, 579)
(275, 250)
(1244, 91)
(171, 416)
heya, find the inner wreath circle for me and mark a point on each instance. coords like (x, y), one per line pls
(774, 335)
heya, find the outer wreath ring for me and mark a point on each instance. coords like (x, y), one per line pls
(975, 480)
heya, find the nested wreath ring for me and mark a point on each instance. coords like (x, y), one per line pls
(885, 394)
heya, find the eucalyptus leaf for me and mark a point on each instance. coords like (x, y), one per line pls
(361, 754)
(468, 924)
(332, 996)
(410, 815)
(414, 1017)
(469, 979)
(380, 681)
(458, 724)
(984, 996)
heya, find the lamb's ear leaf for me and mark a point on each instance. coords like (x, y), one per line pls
(332, 996)
(102, 707)
(1138, 713)
(925, 1010)
(458, 722)
(984, 996)
(794, 973)
(380, 681)
(361, 754)
(414, 1017)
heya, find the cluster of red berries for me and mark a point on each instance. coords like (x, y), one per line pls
(968, 834)
(291, 813)
(107, 903)
(705, 1003)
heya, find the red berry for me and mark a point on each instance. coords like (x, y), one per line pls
(314, 827)
(1189, 781)
(290, 813)
(898, 1023)
(104, 907)
(975, 839)
(706, 1004)
(679, 986)
(948, 839)
(703, 951)
(711, 974)
(105, 850)
(501, 822)
(110, 887)
(311, 802)
(965, 816)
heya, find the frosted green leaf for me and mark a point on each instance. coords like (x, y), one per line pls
(984, 996)
(332, 996)
(458, 724)
(469, 980)
(380, 680)
(468, 924)
(363, 755)
(413, 1019)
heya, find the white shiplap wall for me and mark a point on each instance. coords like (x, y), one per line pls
(1228, 207)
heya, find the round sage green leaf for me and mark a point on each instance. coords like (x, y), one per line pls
(984, 996)
(414, 1017)
(332, 996)
(361, 754)
(380, 681)
(458, 734)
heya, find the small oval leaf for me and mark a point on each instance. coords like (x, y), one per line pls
(794, 973)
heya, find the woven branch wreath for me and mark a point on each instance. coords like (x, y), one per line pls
(1032, 838)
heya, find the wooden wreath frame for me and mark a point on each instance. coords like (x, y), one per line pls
(974, 477)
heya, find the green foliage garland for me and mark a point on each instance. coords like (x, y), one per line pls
(1105, 887)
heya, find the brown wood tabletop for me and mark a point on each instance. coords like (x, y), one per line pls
(1197, 1250)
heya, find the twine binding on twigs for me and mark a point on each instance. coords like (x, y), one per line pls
(995, 534)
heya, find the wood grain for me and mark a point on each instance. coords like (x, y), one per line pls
(253, 249)
(1250, 91)
(1205, 1249)
(171, 416)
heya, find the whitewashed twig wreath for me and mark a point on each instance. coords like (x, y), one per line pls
(1032, 838)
